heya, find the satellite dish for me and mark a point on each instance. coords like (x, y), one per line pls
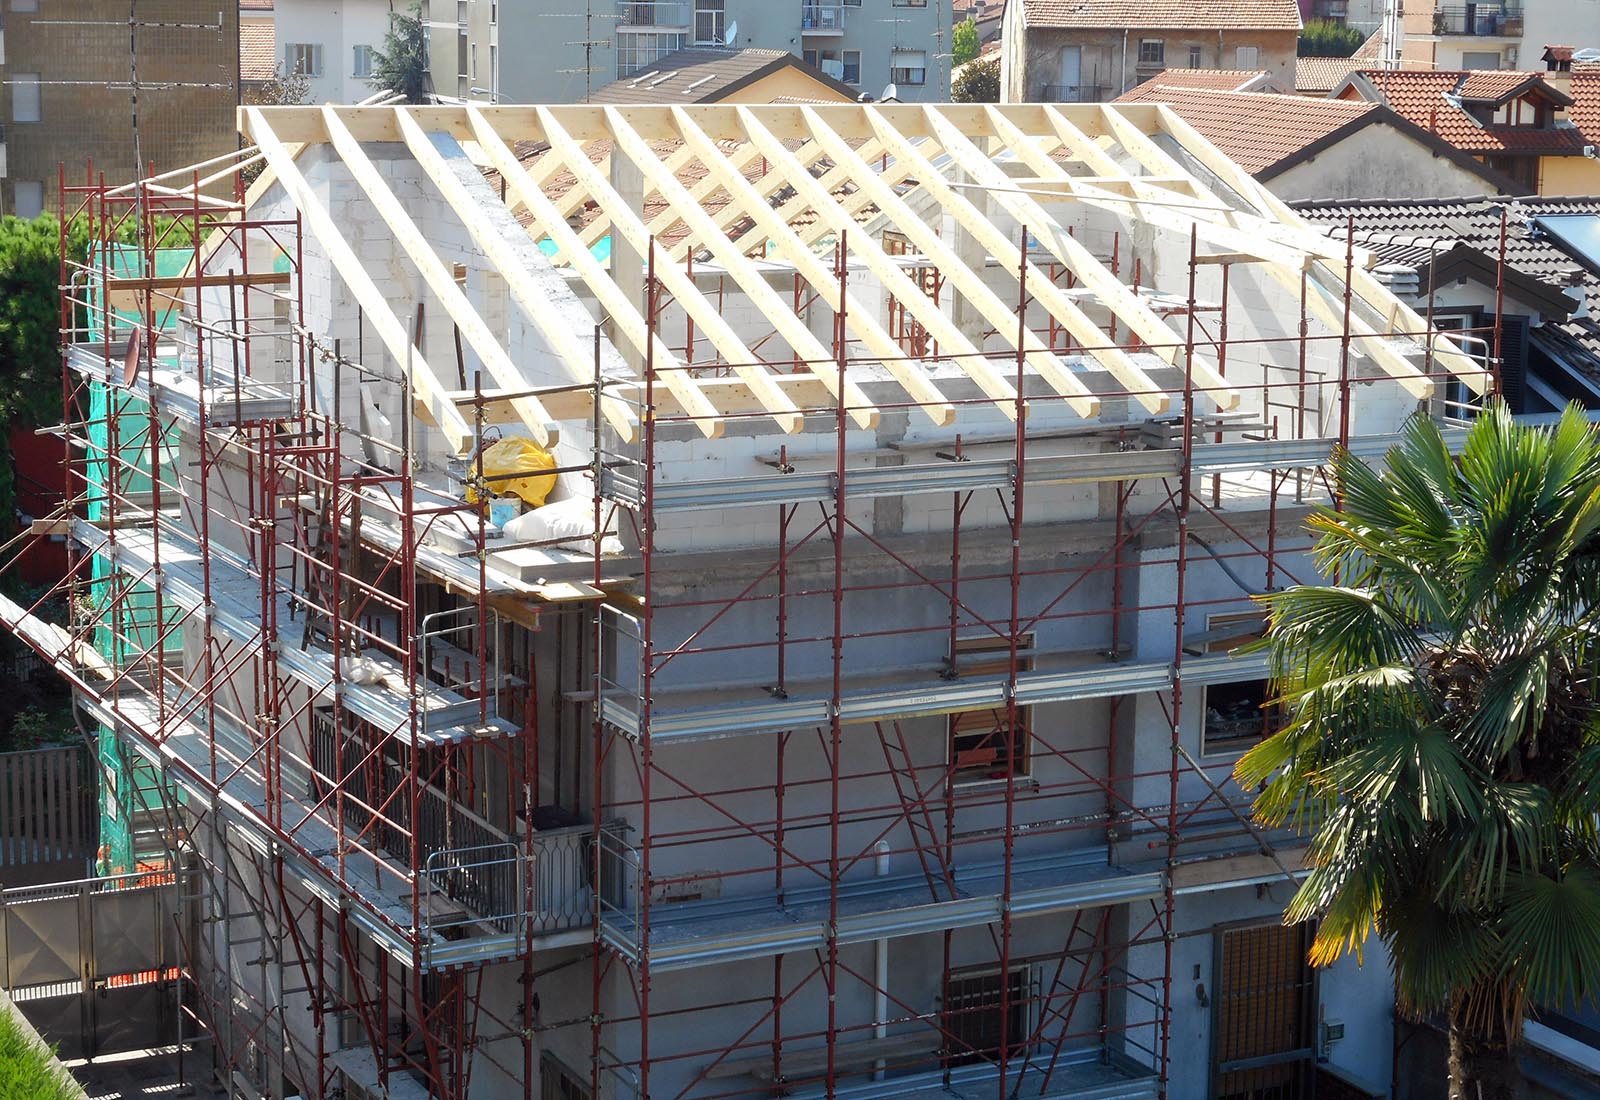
(889, 92)
(731, 35)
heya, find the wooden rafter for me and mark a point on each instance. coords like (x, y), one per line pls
(479, 336)
(630, 319)
(390, 331)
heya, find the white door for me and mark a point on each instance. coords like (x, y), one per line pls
(1071, 71)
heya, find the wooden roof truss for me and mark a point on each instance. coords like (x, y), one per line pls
(749, 190)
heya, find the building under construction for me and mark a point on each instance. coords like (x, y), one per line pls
(856, 716)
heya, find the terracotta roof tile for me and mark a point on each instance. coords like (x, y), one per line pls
(1585, 110)
(1558, 53)
(1321, 75)
(1372, 47)
(255, 5)
(1432, 100)
(1171, 14)
(1255, 129)
(1215, 80)
(258, 50)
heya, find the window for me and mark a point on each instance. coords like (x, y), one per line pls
(1474, 59)
(24, 5)
(1236, 715)
(494, 11)
(982, 746)
(305, 58)
(640, 51)
(29, 198)
(361, 66)
(908, 67)
(474, 69)
(1247, 57)
(852, 67)
(494, 71)
(557, 1082)
(710, 21)
(25, 97)
(1194, 57)
(910, 3)
(1152, 51)
(461, 13)
(975, 1003)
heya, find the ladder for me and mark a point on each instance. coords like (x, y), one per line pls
(914, 807)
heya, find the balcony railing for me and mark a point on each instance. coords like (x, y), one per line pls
(822, 17)
(652, 13)
(1479, 20)
(1073, 93)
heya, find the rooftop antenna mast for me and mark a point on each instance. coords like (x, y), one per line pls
(588, 42)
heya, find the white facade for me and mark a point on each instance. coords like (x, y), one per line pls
(332, 44)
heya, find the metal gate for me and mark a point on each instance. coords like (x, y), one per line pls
(94, 964)
(47, 816)
(1263, 1027)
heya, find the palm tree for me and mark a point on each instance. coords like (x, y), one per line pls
(1442, 733)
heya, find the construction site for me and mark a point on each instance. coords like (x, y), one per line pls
(843, 702)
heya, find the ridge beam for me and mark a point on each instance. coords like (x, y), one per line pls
(374, 303)
(629, 320)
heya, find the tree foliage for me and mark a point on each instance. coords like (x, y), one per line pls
(1442, 736)
(978, 82)
(1325, 38)
(30, 319)
(964, 42)
(402, 65)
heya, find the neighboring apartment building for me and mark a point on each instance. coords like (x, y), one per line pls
(582, 45)
(64, 97)
(1084, 51)
(1494, 34)
(873, 737)
(332, 44)
(1515, 122)
(258, 49)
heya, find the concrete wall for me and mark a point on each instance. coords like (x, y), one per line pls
(1109, 59)
(1379, 162)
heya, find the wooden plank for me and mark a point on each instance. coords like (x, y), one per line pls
(190, 282)
(576, 354)
(374, 303)
(627, 315)
(440, 280)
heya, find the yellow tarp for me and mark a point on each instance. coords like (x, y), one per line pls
(517, 455)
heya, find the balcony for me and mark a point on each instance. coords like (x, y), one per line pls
(822, 18)
(633, 15)
(1479, 21)
(1073, 93)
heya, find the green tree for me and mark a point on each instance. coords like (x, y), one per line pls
(30, 320)
(402, 65)
(964, 42)
(1442, 702)
(979, 82)
(1325, 38)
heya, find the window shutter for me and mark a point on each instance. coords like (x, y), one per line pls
(1514, 361)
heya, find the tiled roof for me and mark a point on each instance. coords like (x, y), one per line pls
(1585, 110)
(1256, 129)
(1389, 226)
(1216, 80)
(1432, 100)
(1168, 14)
(705, 75)
(1323, 74)
(255, 5)
(1372, 48)
(1558, 53)
(258, 52)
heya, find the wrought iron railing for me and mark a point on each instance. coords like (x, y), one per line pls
(652, 13)
(1498, 20)
(1073, 93)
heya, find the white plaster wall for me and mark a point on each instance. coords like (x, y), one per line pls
(339, 28)
(1380, 162)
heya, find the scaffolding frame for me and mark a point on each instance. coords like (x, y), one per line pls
(385, 943)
